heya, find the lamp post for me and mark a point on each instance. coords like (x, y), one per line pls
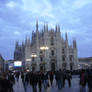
(28, 63)
(44, 48)
(33, 57)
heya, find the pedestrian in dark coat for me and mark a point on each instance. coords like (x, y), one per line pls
(17, 76)
(5, 85)
(34, 81)
(83, 81)
(60, 76)
(90, 80)
(40, 80)
(12, 81)
(51, 74)
(64, 77)
(69, 77)
(45, 82)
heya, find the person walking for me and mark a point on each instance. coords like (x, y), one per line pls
(5, 85)
(64, 77)
(40, 80)
(11, 80)
(34, 81)
(59, 76)
(51, 74)
(24, 80)
(17, 76)
(90, 80)
(69, 77)
(83, 81)
(45, 80)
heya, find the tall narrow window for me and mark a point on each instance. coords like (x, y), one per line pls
(32, 58)
(52, 41)
(52, 52)
(63, 51)
(63, 58)
(41, 59)
(70, 57)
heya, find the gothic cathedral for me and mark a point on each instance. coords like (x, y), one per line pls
(47, 50)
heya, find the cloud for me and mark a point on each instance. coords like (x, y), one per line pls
(17, 33)
(18, 18)
(81, 3)
(11, 4)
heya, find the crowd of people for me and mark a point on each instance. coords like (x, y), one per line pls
(44, 79)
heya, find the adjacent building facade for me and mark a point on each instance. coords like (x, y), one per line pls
(85, 63)
(47, 50)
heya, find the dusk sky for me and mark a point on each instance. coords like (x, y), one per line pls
(18, 18)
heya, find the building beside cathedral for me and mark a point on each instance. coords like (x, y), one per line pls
(47, 50)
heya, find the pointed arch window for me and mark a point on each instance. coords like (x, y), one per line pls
(52, 41)
(52, 52)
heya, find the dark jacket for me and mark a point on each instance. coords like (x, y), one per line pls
(83, 79)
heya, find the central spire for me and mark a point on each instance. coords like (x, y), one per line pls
(36, 25)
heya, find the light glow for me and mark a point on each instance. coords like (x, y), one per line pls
(44, 48)
(28, 59)
(33, 55)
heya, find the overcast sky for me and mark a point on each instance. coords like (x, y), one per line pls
(18, 17)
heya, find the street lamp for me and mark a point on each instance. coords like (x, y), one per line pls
(33, 55)
(28, 61)
(44, 48)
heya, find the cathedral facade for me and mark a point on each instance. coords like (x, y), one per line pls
(47, 50)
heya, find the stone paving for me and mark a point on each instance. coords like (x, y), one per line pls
(18, 87)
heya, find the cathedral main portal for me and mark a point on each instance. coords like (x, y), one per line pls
(53, 66)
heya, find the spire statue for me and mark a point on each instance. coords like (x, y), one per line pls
(74, 44)
(17, 44)
(36, 25)
(56, 28)
(46, 27)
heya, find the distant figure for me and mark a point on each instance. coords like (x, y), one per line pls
(69, 77)
(11, 80)
(34, 81)
(83, 81)
(17, 76)
(56, 77)
(24, 80)
(46, 82)
(90, 80)
(40, 81)
(51, 74)
(22, 76)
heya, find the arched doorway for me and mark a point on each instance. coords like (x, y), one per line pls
(53, 66)
(71, 66)
(41, 68)
(33, 68)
